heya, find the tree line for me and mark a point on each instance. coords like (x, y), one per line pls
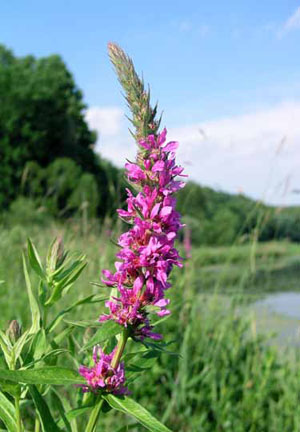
(49, 167)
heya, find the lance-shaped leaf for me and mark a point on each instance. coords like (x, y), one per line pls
(76, 412)
(34, 307)
(134, 409)
(6, 347)
(52, 375)
(107, 330)
(128, 427)
(46, 419)
(58, 405)
(7, 413)
(65, 280)
(18, 347)
(89, 299)
(34, 259)
(84, 324)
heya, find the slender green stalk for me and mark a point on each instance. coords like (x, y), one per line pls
(37, 425)
(18, 414)
(120, 348)
(91, 426)
(45, 316)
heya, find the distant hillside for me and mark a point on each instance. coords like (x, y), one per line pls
(216, 217)
(49, 168)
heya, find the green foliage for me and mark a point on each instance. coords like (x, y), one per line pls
(47, 375)
(24, 211)
(225, 376)
(41, 118)
(7, 413)
(44, 414)
(107, 330)
(129, 406)
(29, 367)
(46, 148)
(49, 168)
(219, 218)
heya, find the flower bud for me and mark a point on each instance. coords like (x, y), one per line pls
(14, 331)
(56, 254)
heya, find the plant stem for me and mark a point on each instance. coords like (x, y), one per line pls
(37, 425)
(45, 316)
(91, 426)
(18, 415)
(120, 348)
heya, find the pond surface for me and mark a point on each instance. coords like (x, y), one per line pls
(280, 313)
(285, 303)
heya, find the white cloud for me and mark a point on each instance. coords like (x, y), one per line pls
(113, 138)
(257, 153)
(292, 23)
(105, 120)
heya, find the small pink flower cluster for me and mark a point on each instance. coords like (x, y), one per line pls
(103, 375)
(147, 253)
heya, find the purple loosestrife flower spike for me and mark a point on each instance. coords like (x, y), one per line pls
(147, 253)
(147, 250)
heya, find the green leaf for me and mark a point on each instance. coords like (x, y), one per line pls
(34, 259)
(7, 413)
(68, 268)
(76, 412)
(51, 375)
(6, 347)
(83, 324)
(160, 346)
(61, 336)
(128, 427)
(11, 388)
(107, 330)
(64, 399)
(132, 408)
(46, 419)
(144, 361)
(39, 344)
(71, 275)
(49, 355)
(57, 403)
(34, 307)
(18, 346)
(89, 299)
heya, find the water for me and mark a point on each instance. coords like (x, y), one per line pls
(280, 313)
(285, 303)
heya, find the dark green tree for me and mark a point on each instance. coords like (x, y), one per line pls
(41, 118)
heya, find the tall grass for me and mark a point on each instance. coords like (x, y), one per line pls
(219, 374)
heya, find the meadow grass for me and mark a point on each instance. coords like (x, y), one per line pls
(219, 374)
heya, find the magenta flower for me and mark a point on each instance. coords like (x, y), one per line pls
(147, 253)
(102, 375)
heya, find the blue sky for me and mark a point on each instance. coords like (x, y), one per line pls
(231, 68)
